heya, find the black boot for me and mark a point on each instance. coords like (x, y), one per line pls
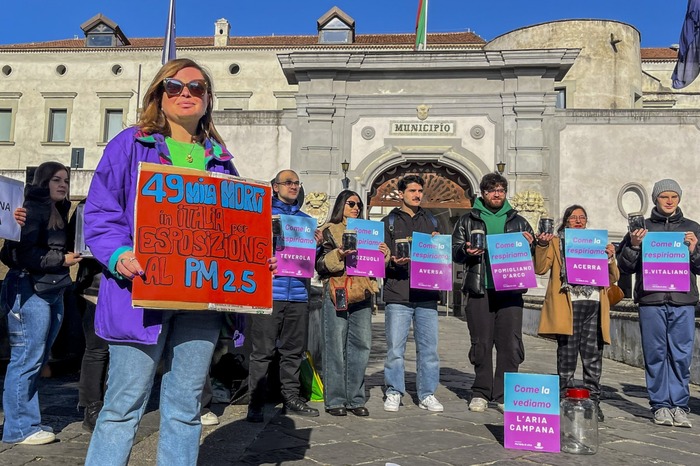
(91, 412)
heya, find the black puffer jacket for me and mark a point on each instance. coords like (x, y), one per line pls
(630, 261)
(476, 265)
(397, 287)
(39, 250)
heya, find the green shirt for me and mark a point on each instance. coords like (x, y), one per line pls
(179, 152)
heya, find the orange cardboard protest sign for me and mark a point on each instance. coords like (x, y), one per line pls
(203, 240)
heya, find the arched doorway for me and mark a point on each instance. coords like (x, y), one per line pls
(447, 192)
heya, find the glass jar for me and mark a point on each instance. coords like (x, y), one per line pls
(579, 423)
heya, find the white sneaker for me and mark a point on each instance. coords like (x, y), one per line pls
(478, 405)
(431, 404)
(501, 407)
(392, 402)
(209, 419)
(39, 438)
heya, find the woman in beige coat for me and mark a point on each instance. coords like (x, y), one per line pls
(578, 316)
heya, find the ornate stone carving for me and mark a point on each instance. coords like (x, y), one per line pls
(422, 111)
(317, 205)
(477, 132)
(530, 205)
(368, 133)
(444, 187)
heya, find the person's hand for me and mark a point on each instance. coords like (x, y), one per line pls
(402, 261)
(691, 240)
(318, 236)
(272, 265)
(473, 251)
(20, 214)
(343, 253)
(128, 266)
(543, 239)
(528, 236)
(435, 233)
(384, 248)
(636, 237)
(71, 258)
(610, 251)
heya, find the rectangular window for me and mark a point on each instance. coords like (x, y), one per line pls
(5, 124)
(113, 124)
(561, 97)
(58, 119)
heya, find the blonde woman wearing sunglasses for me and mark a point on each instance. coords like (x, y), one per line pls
(175, 128)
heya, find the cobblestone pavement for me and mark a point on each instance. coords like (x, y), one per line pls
(411, 437)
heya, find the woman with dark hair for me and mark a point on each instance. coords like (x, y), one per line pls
(175, 128)
(347, 332)
(578, 316)
(35, 313)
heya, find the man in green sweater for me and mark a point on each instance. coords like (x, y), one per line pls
(493, 317)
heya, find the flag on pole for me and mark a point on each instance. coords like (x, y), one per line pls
(169, 43)
(688, 65)
(422, 25)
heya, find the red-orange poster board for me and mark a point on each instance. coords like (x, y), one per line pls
(203, 240)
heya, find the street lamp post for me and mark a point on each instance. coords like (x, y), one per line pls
(345, 165)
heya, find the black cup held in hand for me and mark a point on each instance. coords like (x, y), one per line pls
(277, 237)
(477, 239)
(349, 240)
(635, 221)
(403, 249)
(546, 225)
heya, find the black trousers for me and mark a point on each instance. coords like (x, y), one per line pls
(93, 370)
(495, 319)
(288, 323)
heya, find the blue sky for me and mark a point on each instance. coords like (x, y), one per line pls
(40, 20)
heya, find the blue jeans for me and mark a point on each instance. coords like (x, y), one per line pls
(32, 329)
(668, 333)
(186, 343)
(347, 340)
(398, 318)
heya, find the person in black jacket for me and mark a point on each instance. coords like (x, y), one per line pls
(35, 305)
(666, 318)
(93, 368)
(493, 317)
(404, 304)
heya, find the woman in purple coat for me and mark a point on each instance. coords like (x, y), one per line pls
(175, 128)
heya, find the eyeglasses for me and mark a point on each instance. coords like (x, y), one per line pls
(174, 87)
(352, 204)
(289, 184)
(496, 191)
(581, 218)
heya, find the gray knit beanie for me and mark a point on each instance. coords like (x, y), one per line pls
(666, 185)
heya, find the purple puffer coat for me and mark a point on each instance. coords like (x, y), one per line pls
(109, 227)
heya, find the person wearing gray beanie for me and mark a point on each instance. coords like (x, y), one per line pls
(666, 314)
(666, 185)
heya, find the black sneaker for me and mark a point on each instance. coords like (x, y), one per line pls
(91, 412)
(298, 407)
(601, 416)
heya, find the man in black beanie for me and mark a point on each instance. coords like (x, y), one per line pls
(666, 318)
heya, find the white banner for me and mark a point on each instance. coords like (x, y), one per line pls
(11, 197)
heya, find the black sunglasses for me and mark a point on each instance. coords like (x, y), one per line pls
(174, 87)
(352, 204)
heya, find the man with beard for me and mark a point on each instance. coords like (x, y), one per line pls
(405, 305)
(493, 317)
